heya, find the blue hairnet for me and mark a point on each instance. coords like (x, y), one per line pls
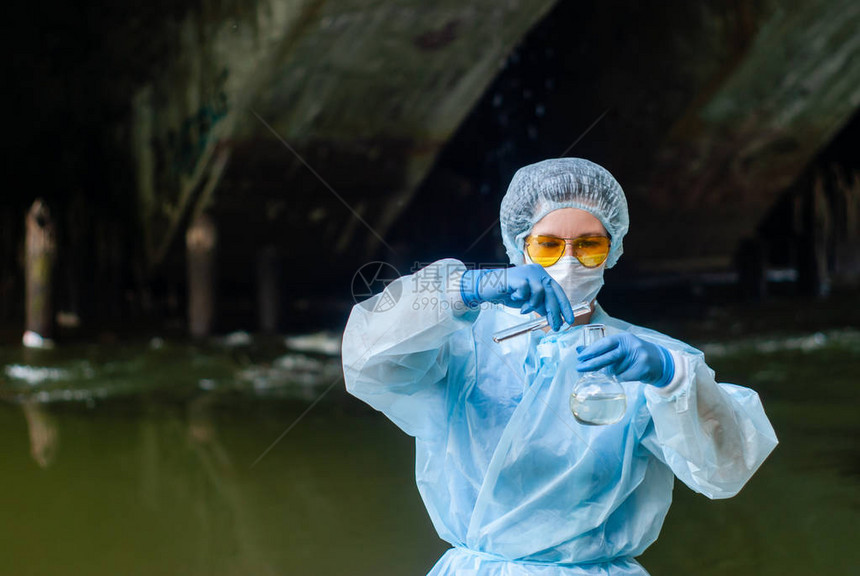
(538, 189)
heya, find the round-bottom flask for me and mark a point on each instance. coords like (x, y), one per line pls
(598, 397)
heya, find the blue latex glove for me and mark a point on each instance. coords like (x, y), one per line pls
(628, 358)
(527, 287)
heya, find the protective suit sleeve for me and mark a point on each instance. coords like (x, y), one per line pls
(713, 436)
(397, 346)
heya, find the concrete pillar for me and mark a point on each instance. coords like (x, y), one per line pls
(200, 242)
(268, 289)
(41, 251)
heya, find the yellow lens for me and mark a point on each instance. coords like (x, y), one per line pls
(544, 250)
(591, 251)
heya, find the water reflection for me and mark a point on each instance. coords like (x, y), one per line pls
(43, 432)
(184, 466)
(140, 462)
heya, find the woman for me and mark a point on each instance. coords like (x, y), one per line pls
(509, 477)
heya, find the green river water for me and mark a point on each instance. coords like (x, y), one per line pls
(150, 457)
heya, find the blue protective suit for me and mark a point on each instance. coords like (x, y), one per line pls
(508, 477)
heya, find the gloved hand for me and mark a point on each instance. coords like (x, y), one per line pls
(527, 287)
(628, 358)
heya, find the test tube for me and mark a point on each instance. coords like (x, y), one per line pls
(542, 322)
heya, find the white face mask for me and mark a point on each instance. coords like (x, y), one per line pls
(581, 284)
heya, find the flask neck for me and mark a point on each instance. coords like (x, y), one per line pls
(602, 374)
(592, 333)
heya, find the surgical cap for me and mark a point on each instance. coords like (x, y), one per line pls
(538, 189)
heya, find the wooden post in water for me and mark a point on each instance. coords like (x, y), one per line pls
(268, 289)
(200, 243)
(846, 257)
(41, 254)
(813, 269)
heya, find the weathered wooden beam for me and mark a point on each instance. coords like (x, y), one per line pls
(815, 242)
(268, 289)
(846, 202)
(41, 253)
(201, 241)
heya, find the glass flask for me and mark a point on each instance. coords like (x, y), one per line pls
(598, 397)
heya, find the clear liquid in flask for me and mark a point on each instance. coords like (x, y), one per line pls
(598, 409)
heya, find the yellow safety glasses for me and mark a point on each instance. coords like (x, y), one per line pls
(591, 251)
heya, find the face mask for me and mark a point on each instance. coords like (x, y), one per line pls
(579, 283)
